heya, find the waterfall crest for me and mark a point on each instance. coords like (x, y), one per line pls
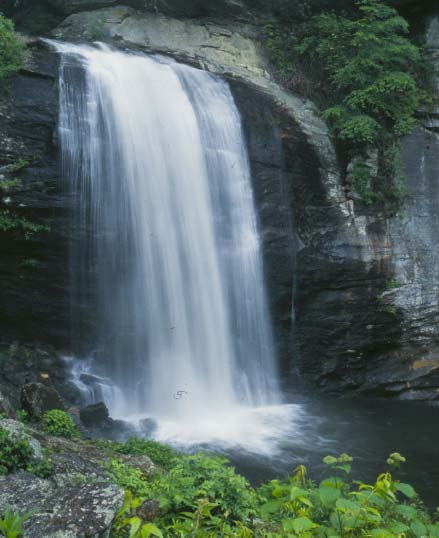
(166, 229)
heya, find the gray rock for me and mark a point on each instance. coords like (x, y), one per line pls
(5, 406)
(149, 510)
(37, 398)
(82, 511)
(94, 414)
(17, 430)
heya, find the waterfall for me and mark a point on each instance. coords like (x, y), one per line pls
(165, 229)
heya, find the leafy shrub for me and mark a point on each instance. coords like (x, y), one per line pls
(127, 519)
(12, 49)
(202, 497)
(162, 455)
(11, 523)
(193, 477)
(15, 453)
(10, 222)
(372, 78)
(42, 468)
(60, 424)
(339, 507)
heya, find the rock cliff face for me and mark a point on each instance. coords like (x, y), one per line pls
(354, 294)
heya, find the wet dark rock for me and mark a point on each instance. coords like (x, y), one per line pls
(20, 365)
(117, 430)
(94, 414)
(37, 398)
(149, 510)
(73, 6)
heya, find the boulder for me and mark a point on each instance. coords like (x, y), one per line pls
(17, 430)
(94, 414)
(36, 399)
(73, 511)
(149, 510)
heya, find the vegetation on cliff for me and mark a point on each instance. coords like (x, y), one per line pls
(12, 49)
(370, 80)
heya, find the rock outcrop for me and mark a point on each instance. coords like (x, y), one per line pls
(76, 511)
(94, 414)
(353, 292)
(36, 399)
(77, 500)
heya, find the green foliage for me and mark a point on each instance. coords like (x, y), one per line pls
(281, 44)
(12, 223)
(162, 455)
(191, 478)
(97, 28)
(19, 165)
(11, 523)
(12, 49)
(59, 423)
(15, 453)
(372, 78)
(339, 507)
(361, 181)
(42, 468)
(22, 416)
(393, 284)
(7, 185)
(127, 523)
(202, 497)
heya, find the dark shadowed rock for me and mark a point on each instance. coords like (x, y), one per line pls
(149, 510)
(36, 399)
(94, 414)
(5, 406)
(73, 6)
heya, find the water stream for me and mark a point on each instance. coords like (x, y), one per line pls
(167, 238)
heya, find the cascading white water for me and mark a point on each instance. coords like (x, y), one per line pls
(167, 229)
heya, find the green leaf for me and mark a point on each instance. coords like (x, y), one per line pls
(398, 528)
(418, 528)
(406, 489)
(381, 533)
(433, 531)
(272, 506)
(329, 495)
(299, 524)
(348, 505)
(150, 530)
(407, 512)
(134, 523)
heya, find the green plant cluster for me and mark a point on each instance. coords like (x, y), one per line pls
(10, 222)
(162, 455)
(11, 523)
(59, 423)
(373, 79)
(192, 477)
(12, 49)
(202, 496)
(16, 454)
